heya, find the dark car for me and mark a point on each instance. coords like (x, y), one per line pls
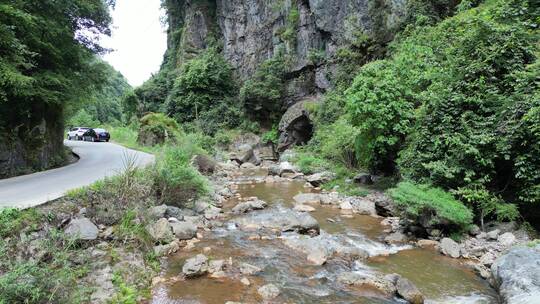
(96, 135)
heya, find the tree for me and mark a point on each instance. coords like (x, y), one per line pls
(46, 53)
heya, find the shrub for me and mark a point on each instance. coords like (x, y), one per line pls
(204, 83)
(455, 103)
(157, 128)
(417, 201)
(486, 204)
(309, 164)
(177, 181)
(336, 142)
(14, 220)
(271, 136)
(262, 95)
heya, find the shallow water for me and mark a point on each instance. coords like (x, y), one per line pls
(441, 279)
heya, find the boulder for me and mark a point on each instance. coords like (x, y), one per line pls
(178, 213)
(195, 266)
(487, 259)
(493, 234)
(331, 198)
(184, 230)
(372, 280)
(345, 205)
(242, 148)
(216, 266)
(363, 178)
(318, 179)
(286, 167)
(474, 230)
(204, 164)
(450, 248)
(81, 229)
(427, 244)
(247, 166)
(303, 208)
(363, 206)
(264, 152)
(157, 212)
(268, 291)
(396, 237)
(201, 205)
(166, 249)
(249, 269)
(408, 291)
(161, 231)
(248, 206)
(286, 220)
(506, 239)
(517, 275)
(307, 198)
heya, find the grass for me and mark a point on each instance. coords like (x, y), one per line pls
(127, 137)
(419, 200)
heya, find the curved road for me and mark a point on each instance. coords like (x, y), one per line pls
(97, 160)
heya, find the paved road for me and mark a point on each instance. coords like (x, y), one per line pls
(97, 160)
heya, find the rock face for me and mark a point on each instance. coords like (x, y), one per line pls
(295, 127)
(82, 229)
(252, 31)
(517, 275)
(46, 150)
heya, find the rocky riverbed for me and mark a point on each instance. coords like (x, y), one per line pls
(270, 235)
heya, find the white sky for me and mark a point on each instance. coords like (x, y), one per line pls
(138, 39)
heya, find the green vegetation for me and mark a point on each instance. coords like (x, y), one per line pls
(47, 63)
(178, 183)
(439, 206)
(104, 106)
(203, 92)
(291, 28)
(453, 106)
(157, 128)
(261, 96)
(48, 276)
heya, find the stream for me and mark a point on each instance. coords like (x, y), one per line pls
(439, 278)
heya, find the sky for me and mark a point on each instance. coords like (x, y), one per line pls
(138, 39)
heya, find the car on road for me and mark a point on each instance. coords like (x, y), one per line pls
(76, 133)
(96, 135)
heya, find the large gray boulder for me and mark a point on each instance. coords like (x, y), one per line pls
(369, 280)
(248, 206)
(184, 230)
(161, 231)
(82, 229)
(277, 219)
(450, 248)
(195, 266)
(408, 291)
(517, 275)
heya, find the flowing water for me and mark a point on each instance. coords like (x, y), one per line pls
(440, 279)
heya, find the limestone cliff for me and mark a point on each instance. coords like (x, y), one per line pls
(252, 31)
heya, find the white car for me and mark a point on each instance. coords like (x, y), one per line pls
(76, 133)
